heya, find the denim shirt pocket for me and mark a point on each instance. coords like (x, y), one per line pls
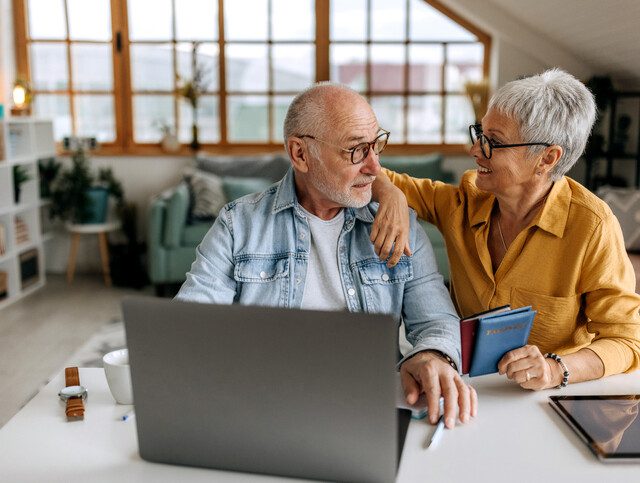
(383, 287)
(262, 281)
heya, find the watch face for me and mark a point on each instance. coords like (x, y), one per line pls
(72, 391)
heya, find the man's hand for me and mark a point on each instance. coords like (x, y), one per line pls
(391, 224)
(428, 373)
(529, 368)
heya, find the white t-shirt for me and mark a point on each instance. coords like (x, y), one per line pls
(323, 287)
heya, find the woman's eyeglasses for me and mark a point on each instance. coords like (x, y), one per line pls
(487, 145)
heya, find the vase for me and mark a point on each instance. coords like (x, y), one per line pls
(195, 144)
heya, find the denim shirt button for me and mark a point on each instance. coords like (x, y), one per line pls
(263, 274)
(385, 277)
(351, 292)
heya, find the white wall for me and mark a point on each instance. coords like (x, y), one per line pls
(7, 56)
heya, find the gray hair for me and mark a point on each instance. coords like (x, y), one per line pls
(552, 107)
(308, 114)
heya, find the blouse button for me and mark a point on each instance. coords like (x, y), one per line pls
(385, 277)
(263, 274)
(351, 292)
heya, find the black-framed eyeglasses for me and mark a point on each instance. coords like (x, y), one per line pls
(487, 145)
(360, 152)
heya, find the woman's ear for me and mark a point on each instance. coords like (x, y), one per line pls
(549, 159)
(298, 154)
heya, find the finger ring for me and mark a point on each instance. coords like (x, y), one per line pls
(528, 376)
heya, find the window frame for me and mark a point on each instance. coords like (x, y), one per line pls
(122, 86)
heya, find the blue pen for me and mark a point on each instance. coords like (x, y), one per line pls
(128, 416)
(437, 433)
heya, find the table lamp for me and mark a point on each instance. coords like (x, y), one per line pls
(21, 98)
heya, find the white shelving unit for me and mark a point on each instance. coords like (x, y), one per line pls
(23, 141)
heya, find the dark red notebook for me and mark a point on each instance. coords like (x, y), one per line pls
(468, 327)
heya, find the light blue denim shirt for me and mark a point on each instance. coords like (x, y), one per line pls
(257, 252)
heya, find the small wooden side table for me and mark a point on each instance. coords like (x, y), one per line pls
(100, 229)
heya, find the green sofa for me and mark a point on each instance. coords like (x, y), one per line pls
(173, 236)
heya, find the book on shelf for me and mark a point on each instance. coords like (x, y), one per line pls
(3, 239)
(29, 269)
(22, 231)
(4, 285)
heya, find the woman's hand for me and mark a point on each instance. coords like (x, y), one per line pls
(529, 368)
(390, 230)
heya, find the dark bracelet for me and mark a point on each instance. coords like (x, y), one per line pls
(563, 366)
(445, 357)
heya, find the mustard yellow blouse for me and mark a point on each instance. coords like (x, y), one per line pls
(570, 264)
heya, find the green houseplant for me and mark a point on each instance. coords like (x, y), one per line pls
(76, 192)
(20, 176)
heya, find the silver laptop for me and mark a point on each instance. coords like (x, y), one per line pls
(284, 392)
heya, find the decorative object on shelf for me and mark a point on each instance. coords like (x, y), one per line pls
(21, 98)
(169, 140)
(191, 90)
(4, 285)
(22, 231)
(29, 268)
(478, 94)
(20, 176)
(48, 169)
(77, 195)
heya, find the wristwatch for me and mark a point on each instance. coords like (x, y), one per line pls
(73, 394)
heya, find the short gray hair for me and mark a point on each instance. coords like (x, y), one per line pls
(308, 113)
(552, 107)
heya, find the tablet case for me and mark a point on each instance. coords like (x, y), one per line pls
(497, 335)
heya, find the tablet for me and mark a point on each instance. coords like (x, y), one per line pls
(608, 424)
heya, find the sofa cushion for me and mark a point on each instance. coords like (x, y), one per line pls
(423, 166)
(207, 195)
(176, 217)
(236, 187)
(193, 234)
(271, 166)
(625, 204)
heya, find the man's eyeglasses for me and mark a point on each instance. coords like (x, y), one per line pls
(488, 145)
(360, 152)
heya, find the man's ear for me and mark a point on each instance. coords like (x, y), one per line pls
(298, 154)
(550, 158)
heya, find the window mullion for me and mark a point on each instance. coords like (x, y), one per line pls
(222, 80)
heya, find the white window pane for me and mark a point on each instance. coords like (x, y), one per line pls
(46, 19)
(247, 118)
(207, 59)
(348, 20)
(150, 19)
(149, 113)
(95, 117)
(49, 66)
(89, 19)
(390, 115)
(427, 23)
(152, 67)
(208, 121)
(92, 67)
(282, 14)
(246, 19)
(459, 114)
(387, 68)
(349, 65)
(425, 67)
(280, 106)
(388, 19)
(424, 119)
(197, 20)
(464, 63)
(293, 67)
(247, 67)
(56, 107)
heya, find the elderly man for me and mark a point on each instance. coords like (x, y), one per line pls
(305, 243)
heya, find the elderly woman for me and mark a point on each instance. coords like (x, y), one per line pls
(519, 232)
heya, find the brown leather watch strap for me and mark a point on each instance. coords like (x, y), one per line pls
(75, 405)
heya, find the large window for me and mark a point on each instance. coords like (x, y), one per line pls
(114, 68)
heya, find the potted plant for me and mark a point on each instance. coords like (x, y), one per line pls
(20, 176)
(48, 170)
(78, 196)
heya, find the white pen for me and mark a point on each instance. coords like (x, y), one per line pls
(128, 416)
(437, 433)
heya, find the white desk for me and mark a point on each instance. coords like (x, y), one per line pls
(516, 437)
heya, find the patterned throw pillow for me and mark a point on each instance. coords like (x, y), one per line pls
(625, 204)
(208, 195)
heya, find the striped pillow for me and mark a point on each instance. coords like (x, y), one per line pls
(208, 195)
